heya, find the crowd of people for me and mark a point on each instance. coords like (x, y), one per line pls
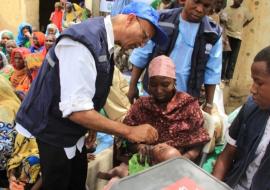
(54, 84)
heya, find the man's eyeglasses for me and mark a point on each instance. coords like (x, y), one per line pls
(146, 36)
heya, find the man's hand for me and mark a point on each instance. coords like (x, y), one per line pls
(143, 133)
(133, 93)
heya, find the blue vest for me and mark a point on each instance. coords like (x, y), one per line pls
(252, 126)
(208, 34)
(39, 112)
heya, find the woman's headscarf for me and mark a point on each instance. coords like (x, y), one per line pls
(21, 39)
(22, 51)
(9, 102)
(41, 40)
(40, 37)
(9, 34)
(7, 69)
(20, 79)
(54, 27)
(162, 66)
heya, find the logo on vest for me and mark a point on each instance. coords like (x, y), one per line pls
(208, 48)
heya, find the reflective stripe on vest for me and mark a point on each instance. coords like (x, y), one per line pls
(50, 60)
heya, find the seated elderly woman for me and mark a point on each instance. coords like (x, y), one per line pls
(176, 115)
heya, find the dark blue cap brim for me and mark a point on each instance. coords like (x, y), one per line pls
(160, 36)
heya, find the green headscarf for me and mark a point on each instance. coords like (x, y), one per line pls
(11, 37)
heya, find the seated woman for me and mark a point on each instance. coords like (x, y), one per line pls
(9, 105)
(24, 35)
(176, 116)
(21, 77)
(23, 167)
(37, 42)
(19, 159)
(245, 161)
(6, 69)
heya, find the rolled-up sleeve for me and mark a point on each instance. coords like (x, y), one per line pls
(77, 76)
(140, 56)
(214, 64)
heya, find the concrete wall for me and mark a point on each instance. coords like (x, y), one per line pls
(13, 12)
(256, 36)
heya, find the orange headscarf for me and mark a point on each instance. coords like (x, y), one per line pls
(40, 37)
(20, 79)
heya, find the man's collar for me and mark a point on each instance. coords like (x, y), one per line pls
(109, 32)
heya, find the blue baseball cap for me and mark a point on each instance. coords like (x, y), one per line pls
(146, 12)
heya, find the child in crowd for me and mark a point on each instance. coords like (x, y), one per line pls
(86, 13)
(57, 16)
(237, 17)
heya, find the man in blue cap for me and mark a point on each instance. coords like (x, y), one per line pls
(72, 86)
